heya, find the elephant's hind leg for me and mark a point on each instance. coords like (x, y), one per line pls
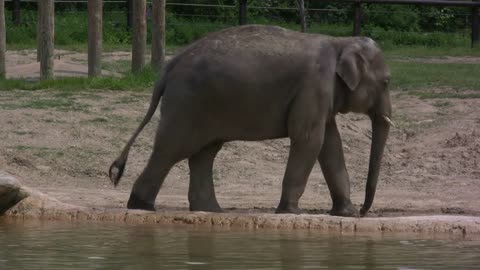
(201, 192)
(148, 184)
(167, 151)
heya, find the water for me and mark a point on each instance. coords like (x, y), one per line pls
(118, 246)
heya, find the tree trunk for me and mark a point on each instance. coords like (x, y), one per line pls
(16, 13)
(302, 14)
(242, 12)
(46, 37)
(39, 30)
(95, 37)
(357, 19)
(3, 45)
(475, 26)
(158, 34)
(129, 14)
(139, 43)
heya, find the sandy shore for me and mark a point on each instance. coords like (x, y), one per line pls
(38, 206)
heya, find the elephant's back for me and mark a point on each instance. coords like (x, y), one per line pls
(254, 40)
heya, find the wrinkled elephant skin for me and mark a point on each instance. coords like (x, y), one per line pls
(262, 82)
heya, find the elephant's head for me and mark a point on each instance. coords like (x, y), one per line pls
(363, 77)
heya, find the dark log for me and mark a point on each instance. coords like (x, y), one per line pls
(158, 34)
(139, 43)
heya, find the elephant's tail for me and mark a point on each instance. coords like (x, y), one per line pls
(118, 166)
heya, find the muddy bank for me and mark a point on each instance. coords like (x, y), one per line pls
(36, 205)
(48, 209)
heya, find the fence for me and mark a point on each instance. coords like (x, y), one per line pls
(185, 17)
(357, 18)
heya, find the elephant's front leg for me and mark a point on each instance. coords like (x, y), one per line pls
(302, 157)
(333, 167)
(201, 192)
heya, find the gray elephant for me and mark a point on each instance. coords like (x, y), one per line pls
(257, 83)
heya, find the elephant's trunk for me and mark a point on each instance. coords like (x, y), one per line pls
(380, 127)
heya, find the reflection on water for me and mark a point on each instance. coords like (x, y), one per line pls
(118, 246)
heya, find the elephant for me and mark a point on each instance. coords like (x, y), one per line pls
(252, 83)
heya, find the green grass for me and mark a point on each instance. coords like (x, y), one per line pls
(119, 66)
(56, 103)
(98, 120)
(41, 152)
(133, 82)
(427, 80)
(430, 80)
(412, 77)
(21, 133)
(400, 52)
(442, 103)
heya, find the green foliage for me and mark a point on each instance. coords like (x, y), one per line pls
(390, 25)
(181, 31)
(391, 17)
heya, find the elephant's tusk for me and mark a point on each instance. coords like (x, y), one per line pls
(389, 120)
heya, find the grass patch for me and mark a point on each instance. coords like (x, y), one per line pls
(428, 79)
(60, 104)
(126, 99)
(52, 120)
(107, 109)
(442, 103)
(425, 52)
(426, 94)
(121, 66)
(130, 81)
(89, 96)
(98, 120)
(41, 152)
(21, 133)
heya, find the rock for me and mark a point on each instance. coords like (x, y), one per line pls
(10, 193)
(37, 205)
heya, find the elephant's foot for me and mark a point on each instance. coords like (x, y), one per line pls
(288, 208)
(345, 210)
(206, 206)
(136, 203)
(363, 211)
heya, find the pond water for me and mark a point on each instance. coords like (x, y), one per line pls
(120, 246)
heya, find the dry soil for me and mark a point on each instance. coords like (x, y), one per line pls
(63, 143)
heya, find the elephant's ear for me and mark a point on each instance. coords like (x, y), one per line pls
(351, 66)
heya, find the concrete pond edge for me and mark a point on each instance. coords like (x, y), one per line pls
(34, 205)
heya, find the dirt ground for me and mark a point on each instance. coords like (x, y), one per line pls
(63, 143)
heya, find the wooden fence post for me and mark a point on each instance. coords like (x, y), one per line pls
(242, 14)
(3, 44)
(46, 37)
(139, 43)
(39, 29)
(302, 14)
(475, 25)
(357, 23)
(158, 34)
(129, 14)
(16, 15)
(95, 8)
